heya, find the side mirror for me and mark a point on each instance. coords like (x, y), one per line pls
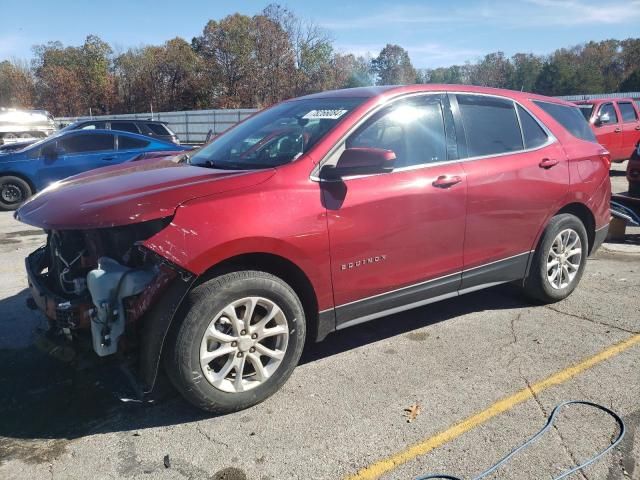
(602, 119)
(360, 161)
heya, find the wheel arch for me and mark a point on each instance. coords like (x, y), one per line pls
(585, 215)
(281, 267)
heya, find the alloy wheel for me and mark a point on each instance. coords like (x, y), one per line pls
(564, 258)
(244, 344)
(11, 193)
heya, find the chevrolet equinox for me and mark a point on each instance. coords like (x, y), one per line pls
(311, 216)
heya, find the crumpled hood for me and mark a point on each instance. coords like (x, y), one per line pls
(129, 193)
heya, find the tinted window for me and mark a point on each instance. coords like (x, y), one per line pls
(570, 118)
(534, 135)
(86, 143)
(158, 129)
(586, 111)
(125, 127)
(126, 143)
(628, 112)
(490, 125)
(609, 109)
(413, 130)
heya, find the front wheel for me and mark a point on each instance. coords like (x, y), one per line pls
(13, 192)
(240, 339)
(559, 261)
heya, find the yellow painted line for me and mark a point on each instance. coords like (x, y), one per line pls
(383, 466)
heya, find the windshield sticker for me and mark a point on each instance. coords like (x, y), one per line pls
(324, 114)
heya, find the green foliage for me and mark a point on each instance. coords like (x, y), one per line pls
(255, 61)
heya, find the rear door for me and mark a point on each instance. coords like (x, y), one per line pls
(77, 153)
(129, 147)
(630, 128)
(396, 238)
(609, 130)
(515, 177)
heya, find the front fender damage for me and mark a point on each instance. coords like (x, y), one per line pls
(116, 299)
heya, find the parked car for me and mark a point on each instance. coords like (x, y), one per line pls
(31, 169)
(149, 128)
(616, 124)
(633, 172)
(24, 125)
(314, 215)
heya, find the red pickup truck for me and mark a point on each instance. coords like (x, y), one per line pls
(616, 123)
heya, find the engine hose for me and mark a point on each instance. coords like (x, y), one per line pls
(544, 429)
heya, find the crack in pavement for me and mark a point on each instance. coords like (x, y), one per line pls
(206, 435)
(555, 427)
(597, 322)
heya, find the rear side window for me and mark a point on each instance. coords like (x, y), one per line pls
(628, 112)
(158, 129)
(125, 127)
(570, 118)
(534, 135)
(97, 142)
(128, 143)
(490, 124)
(412, 129)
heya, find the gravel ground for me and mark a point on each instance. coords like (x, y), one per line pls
(343, 408)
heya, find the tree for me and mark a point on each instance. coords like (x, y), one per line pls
(526, 68)
(493, 71)
(393, 66)
(17, 87)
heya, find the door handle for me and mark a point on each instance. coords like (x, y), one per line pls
(548, 162)
(618, 130)
(108, 158)
(446, 181)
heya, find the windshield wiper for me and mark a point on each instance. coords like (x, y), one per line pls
(233, 165)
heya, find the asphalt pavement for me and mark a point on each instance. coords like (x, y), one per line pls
(485, 370)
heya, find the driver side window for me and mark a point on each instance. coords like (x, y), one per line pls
(413, 129)
(609, 109)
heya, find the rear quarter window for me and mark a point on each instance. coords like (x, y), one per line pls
(570, 118)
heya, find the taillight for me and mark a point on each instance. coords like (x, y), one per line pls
(605, 156)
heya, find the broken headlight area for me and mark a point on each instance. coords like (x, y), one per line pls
(96, 285)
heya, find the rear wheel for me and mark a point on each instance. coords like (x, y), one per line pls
(558, 262)
(240, 339)
(13, 191)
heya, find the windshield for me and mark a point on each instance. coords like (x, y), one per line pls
(276, 136)
(586, 111)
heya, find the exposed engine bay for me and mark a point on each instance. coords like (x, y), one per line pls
(97, 284)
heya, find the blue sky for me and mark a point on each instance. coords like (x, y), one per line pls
(436, 33)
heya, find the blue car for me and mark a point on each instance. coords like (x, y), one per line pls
(33, 168)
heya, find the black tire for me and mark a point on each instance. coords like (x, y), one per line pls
(205, 303)
(634, 189)
(537, 285)
(13, 192)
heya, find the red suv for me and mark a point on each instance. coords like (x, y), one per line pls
(316, 214)
(616, 123)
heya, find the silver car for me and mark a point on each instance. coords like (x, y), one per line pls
(24, 125)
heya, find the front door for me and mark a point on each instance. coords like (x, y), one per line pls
(608, 130)
(516, 175)
(77, 153)
(396, 238)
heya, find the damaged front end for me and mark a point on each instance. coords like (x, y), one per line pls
(101, 287)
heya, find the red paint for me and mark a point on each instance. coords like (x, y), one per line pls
(619, 137)
(479, 211)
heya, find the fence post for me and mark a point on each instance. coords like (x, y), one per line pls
(186, 126)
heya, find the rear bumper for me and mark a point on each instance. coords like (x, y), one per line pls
(599, 237)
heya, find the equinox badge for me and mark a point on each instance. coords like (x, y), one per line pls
(364, 261)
